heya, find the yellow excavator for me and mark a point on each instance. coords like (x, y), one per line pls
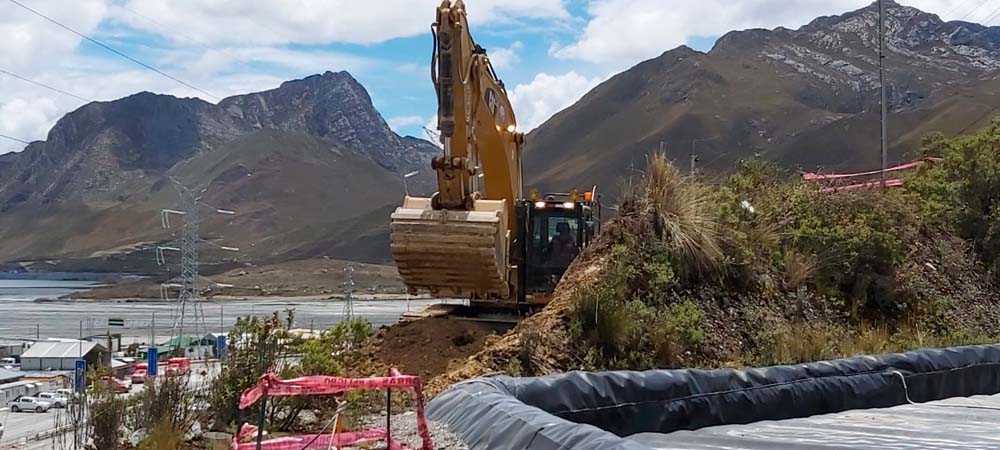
(478, 237)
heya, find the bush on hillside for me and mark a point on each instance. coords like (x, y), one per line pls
(963, 189)
(817, 274)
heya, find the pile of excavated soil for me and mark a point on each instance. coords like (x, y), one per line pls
(427, 347)
(542, 340)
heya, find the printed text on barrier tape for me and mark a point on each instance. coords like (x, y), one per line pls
(321, 385)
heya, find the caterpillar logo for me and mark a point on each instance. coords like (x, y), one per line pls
(496, 107)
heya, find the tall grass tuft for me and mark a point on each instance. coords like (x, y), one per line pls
(800, 268)
(684, 211)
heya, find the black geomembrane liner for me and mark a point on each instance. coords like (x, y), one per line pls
(582, 410)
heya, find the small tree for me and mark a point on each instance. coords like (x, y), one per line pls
(165, 410)
(254, 347)
(108, 412)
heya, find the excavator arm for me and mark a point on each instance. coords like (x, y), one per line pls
(457, 243)
(482, 148)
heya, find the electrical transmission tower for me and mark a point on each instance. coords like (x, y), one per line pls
(189, 302)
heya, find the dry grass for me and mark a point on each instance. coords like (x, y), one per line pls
(801, 342)
(684, 210)
(800, 268)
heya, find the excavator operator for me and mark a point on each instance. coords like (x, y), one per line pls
(562, 248)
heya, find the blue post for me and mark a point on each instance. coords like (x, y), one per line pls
(80, 376)
(152, 360)
(220, 347)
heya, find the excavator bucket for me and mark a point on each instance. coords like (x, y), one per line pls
(452, 254)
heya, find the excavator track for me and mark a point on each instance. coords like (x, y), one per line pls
(452, 254)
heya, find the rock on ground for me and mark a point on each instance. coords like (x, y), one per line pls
(404, 429)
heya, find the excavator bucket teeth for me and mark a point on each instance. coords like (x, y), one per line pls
(452, 254)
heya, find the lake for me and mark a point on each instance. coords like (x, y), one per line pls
(22, 317)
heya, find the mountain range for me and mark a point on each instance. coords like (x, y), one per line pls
(806, 98)
(299, 164)
(311, 169)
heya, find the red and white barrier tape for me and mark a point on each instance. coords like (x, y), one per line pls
(271, 385)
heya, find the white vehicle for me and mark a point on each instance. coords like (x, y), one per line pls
(57, 401)
(28, 404)
(68, 394)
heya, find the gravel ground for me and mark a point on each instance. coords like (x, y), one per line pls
(404, 429)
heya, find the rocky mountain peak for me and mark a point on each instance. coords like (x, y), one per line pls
(804, 97)
(104, 147)
(333, 106)
(923, 53)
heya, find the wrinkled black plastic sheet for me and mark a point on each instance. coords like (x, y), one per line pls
(581, 410)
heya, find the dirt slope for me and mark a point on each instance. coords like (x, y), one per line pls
(546, 332)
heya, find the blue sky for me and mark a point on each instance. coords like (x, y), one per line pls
(548, 52)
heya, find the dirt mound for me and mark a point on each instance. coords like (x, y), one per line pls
(541, 343)
(427, 347)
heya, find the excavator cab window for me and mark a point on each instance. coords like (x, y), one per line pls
(554, 237)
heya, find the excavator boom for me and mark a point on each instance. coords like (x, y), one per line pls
(457, 243)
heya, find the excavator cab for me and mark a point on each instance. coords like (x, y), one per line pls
(554, 230)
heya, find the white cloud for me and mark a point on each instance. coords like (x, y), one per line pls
(312, 21)
(27, 36)
(404, 121)
(546, 95)
(237, 46)
(431, 133)
(623, 32)
(409, 68)
(29, 112)
(216, 45)
(27, 117)
(506, 57)
(207, 62)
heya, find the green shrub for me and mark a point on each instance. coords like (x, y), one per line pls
(767, 238)
(677, 329)
(659, 272)
(964, 188)
(603, 320)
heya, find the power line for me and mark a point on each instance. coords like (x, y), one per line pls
(958, 7)
(15, 139)
(981, 4)
(112, 50)
(993, 15)
(44, 85)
